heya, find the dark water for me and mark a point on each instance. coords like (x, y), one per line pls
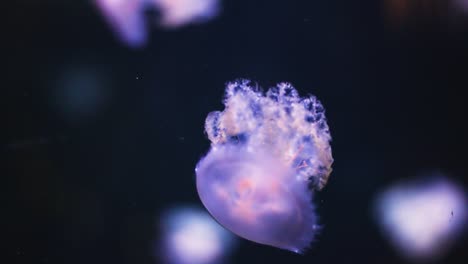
(87, 172)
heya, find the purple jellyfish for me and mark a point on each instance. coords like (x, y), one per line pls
(268, 153)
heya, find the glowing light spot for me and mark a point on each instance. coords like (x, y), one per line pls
(176, 13)
(80, 93)
(126, 19)
(422, 218)
(190, 236)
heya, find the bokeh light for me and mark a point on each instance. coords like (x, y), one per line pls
(191, 236)
(422, 218)
(177, 13)
(80, 93)
(126, 19)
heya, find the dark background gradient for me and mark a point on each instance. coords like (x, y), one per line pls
(88, 187)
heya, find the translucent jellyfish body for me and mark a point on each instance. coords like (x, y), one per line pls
(268, 153)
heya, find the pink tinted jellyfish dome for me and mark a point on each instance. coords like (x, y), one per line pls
(268, 152)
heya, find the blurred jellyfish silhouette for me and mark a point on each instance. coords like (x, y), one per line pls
(402, 12)
(191, 236)
(268, 153)
(462, 5)
(422, 218)
(127, 17)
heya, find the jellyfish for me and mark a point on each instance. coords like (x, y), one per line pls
(269, 153)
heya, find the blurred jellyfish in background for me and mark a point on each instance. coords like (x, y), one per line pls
(177, 13)
(191, 236)
(127, 17)
(422, 218)
(269, 151)
(403, 12)
(80, 93)
(462, 5)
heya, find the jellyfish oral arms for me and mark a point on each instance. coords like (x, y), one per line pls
(268, 153)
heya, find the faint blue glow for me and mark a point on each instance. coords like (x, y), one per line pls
(80, 93)
(422, 219)
(191, 236)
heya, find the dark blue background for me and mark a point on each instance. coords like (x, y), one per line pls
(89, 191)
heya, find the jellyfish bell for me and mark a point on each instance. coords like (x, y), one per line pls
(253, 195)
(265, 154)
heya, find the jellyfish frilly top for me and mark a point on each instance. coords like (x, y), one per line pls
(269, 152)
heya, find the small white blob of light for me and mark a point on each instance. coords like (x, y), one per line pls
(421, 219)
(191, 236)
